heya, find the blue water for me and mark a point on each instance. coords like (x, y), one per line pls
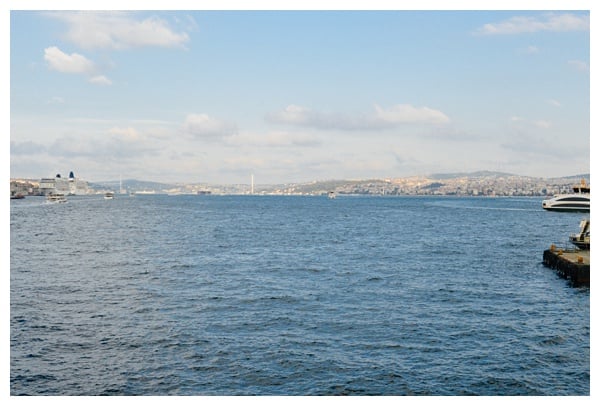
(264, 295)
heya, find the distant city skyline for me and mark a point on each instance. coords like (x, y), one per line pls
(292, 96)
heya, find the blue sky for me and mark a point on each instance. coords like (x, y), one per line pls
(293, 96)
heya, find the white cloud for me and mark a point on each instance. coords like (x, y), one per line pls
(530, 50)
(109, 30)
(243, 163)
(405, 113)
(273, 139)
(74, 64)
(26, 148)
(580, 66)
(553, 102)
(292, 114)
(523, 123)
(117, 143)
(56, 100)
(100, 80)
(305, 117)
(204, 126)
(549, 22)
(61, 62)
(127, 133)
(118, 30)
(379, 119)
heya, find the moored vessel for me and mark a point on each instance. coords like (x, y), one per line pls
(582, 238)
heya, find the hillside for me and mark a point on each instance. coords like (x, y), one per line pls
(486, 183)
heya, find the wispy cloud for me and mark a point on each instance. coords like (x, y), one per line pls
(26, 148)
(405, 113)
(548, 22)
(530, 50)
(381, 118)
(580, 66)
(118, 30)
(56, 100)
(129, 134)
(205, 126)
(100, 80)
(125, 143)
(277, 139)
(520, 122)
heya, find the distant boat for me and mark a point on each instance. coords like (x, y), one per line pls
(582, 239)
(56, 198)
(578, 200)
(18, 196)
(331, 195)
(109, 195)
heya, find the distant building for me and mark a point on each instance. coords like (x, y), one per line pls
(23, 187)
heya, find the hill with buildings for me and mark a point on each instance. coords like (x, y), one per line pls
(462, 184)
(482, 183)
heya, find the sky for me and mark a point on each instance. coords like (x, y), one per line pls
(216, 96)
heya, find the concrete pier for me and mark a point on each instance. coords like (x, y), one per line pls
(571, 264)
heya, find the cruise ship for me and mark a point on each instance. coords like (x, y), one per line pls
(578, 200)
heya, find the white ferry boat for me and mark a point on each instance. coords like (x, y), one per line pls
(578, 200)
(56, 198)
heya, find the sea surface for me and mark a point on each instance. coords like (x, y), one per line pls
(290, 295)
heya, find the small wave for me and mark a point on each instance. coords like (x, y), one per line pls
(556, 340)
(495, 385)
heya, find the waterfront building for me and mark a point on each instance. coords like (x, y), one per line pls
(23, 187)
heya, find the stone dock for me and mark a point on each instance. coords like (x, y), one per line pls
(571, 264)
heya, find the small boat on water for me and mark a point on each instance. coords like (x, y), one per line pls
(56, 198)
(331, 195)
(17, 196)
(109, 195)
(582, 239)
(578, 200)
